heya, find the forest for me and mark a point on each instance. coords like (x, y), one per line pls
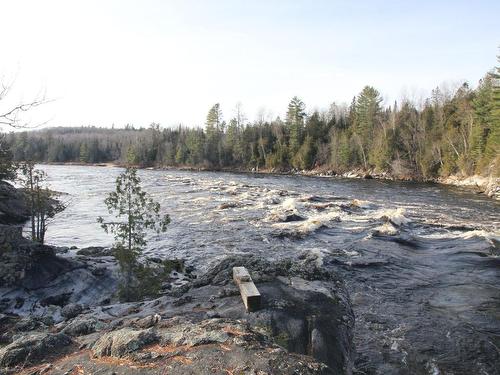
(454, 131)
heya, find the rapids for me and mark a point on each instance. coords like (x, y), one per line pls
(420, 260)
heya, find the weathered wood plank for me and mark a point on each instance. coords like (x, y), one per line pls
(240, 274)
(249, 293)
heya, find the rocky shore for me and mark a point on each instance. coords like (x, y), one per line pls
(488, 185)
(59, 315)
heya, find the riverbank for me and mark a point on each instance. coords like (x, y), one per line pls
(490, 186)
(487, 185)
(60, 314)
(417, 259)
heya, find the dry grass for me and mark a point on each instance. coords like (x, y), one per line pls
(166, 349)
(182, 359)
(113, 361)
(226, 348)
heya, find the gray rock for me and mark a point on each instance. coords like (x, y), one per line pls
(206, 332)
(82, 326)
(23, 262)
(30, 348)
(302, 309)
(227, 205)
(13, 207)
(123, 341)
(182, 351)
(95, 251)
(61, 250)
(148, 321)
(71, 310)
(99, 271)
(27, 324)
(56, 300)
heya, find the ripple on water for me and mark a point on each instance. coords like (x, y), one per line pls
(420, 261)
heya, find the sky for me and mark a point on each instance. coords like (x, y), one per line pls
(116, 62)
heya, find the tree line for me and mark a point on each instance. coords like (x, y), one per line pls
(451, 132)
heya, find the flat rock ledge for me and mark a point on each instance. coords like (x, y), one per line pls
(305, 327)
(172, 346)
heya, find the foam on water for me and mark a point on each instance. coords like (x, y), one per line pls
(440, 259)
(396, 216)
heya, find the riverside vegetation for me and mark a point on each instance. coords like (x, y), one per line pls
(60, 313)
(453, 132)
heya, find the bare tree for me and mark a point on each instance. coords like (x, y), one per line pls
(42, 202)
(11, 116)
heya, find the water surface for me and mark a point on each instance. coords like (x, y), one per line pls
(420, 260)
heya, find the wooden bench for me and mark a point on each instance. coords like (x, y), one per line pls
(249, 292)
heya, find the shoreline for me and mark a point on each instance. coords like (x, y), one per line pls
(61, 311)
(489, 186)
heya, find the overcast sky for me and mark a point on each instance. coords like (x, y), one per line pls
(138, 62)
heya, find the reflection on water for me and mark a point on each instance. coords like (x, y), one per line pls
(420, 260)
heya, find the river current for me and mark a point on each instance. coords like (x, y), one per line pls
(420, 261)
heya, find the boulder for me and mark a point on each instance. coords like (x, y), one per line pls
(23, 262)
(56, 300)
(71, 310)
(148, 321)
(31, 348)
(95, 251)
(123, 341)
(13, 207)
(226, 205)
(82, 326)
(211, 331)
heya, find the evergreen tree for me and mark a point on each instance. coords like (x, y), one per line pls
(135, 213)
(305, 157)
(483, 104)
(295, 121)
(214, 130)
(7, 166)
(451, 131)
(84, 153)
(367, 109)
(492, 147)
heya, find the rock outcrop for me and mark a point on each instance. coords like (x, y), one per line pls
(13, 208)
(19, 255)
(303, 327)
(305, 308)
(31, 348)
(487, 185)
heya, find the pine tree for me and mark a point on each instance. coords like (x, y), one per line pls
(483, 105)
(295, 121)
(492, 147)
(7, 166)
(135, 213)
(367, 109)
(214, 130)
(84, 153)
(304, 158)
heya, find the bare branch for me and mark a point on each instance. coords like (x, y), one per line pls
(12, 117)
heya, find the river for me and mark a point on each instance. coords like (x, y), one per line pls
(420, 261)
